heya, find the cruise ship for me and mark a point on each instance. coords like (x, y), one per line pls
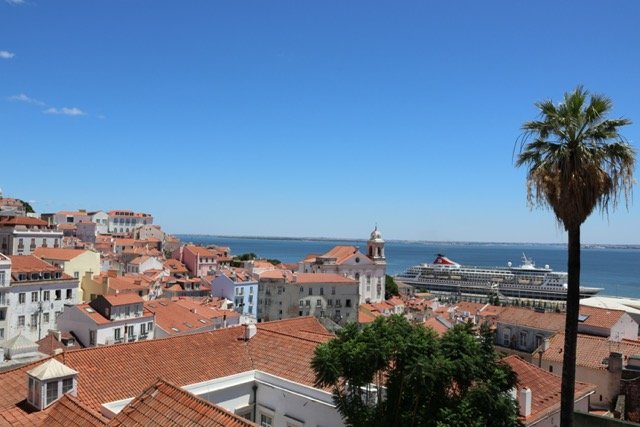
(524, 281)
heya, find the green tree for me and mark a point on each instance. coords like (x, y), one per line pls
(27, 206)
(390, 287)
(455, 380)
(576, 162)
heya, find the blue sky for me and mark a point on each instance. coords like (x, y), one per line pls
(289, 118)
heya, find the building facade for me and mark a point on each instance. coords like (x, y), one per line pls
(35, 298)
(110, 319)
(283, 295)
(368, 269)
(124, 221)
(22, 235)
(239, 287)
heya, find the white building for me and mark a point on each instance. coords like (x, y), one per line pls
(101, 219)
(35, 298)
(5, 280)
(109, 319)
(370, 269)
(143, 263)
(283, 295)
(126, 221)
(21, 235)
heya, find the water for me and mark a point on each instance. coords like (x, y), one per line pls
(615, 270)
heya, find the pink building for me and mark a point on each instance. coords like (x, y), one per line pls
(201, 261)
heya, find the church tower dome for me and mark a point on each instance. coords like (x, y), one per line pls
(376, 246)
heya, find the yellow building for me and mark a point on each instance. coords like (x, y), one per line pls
(75, 262)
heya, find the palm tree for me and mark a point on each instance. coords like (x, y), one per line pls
(577, 162)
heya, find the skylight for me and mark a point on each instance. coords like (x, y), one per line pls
(582, 317)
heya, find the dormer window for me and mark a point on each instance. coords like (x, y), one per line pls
(50, 381)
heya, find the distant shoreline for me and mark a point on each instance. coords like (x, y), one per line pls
(452, 243)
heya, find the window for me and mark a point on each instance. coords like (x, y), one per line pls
(333, 290)
(318, 302)
(330, 302)
(45, 317)
(69, 293)
(22, 298)
(310, 291)
(67, 385)
(1, 333)
(76, 274)
(307, 303)
(92, 337)
(301, 303)
(266, 420)
(143, 329)
(523, 339)
(116, 334)
(20, 321)
(506, 338)
(34, 297)
(34, 320)
(347, 303)
(550, 368)
(58, 295)
(46, 295)
(150, 326)
(321, 291)
(57, 314)
(52, 391)
(301, 289)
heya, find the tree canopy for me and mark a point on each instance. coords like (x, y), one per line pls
(424, 380)
(390, 287)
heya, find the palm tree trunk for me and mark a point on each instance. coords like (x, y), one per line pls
(571, 329)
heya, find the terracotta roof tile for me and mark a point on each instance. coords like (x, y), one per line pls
(164, 404)
(523, 316)
(600, 317)
(174, 318)
(123, 299)
(341, 253)
(544, 386)
(69, 412)
(282, 348)
(21, 220)
(592, 351)
(58, 254)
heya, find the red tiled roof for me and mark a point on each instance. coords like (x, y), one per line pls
(341, 253)
(600, 317)
(164, 404)
(436, 325)
(123, 299)
(199, 250)
(524, 316)
(58, 254)
(283, 348)
(544, 386)
(69, 412)
(21, 220)
(33, 264)
(323, 278)
(139, 260)
(591, 351)
(170, 315)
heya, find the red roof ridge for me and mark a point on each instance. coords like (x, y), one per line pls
(285, 334)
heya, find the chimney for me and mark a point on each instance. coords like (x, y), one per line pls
(545, 344)
(249, 331)
(615, 362)
(524, 401)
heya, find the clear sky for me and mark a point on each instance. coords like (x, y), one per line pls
(300, 118)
